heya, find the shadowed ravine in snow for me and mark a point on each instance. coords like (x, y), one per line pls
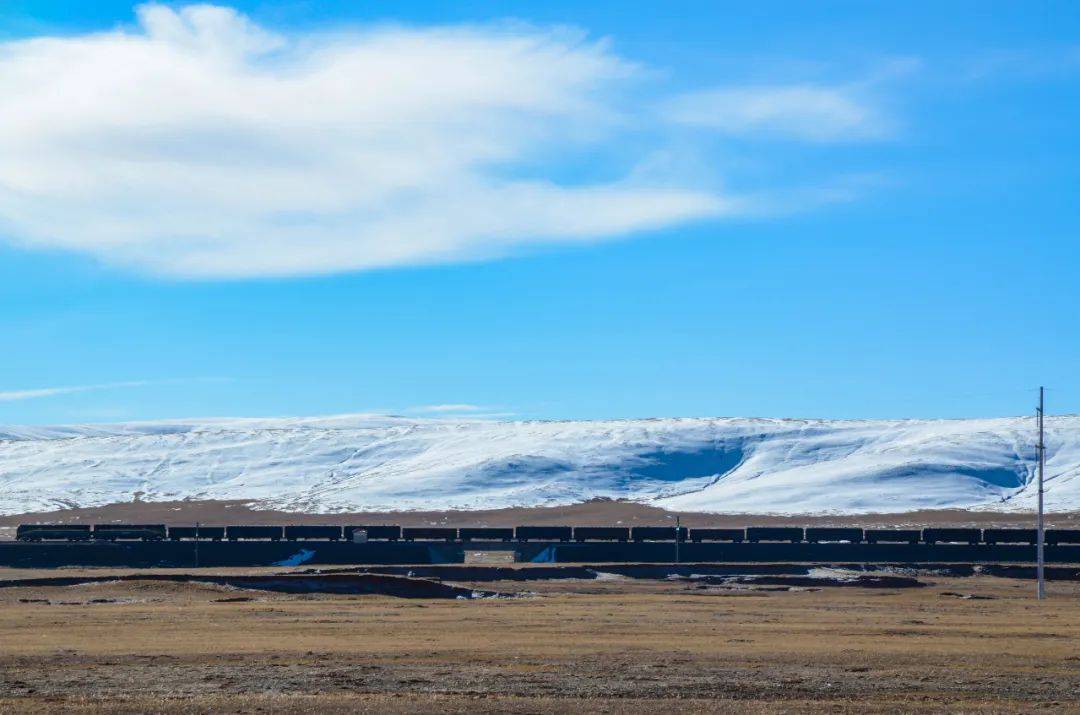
(378, 463)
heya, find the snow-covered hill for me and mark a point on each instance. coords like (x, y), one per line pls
(366, 462)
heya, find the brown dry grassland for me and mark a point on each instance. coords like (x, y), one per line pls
(976, 644)
(599, 511)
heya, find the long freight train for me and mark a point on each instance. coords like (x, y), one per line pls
(388, 532)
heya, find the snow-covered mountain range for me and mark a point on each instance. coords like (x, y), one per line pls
(368, 462)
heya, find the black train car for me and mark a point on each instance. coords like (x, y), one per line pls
(961, 536)
(486, 533)
(312, 531)
(601, 533)
(657, 533)
(385, 532)
(544, 533)
(1010, 536)
(699, 535)
(754, 534)
(814, 534)
(1062, 536)
(429, 533)
(234, 533)
(52, 532)
(880, 536)
(213, 533)
(130, 532)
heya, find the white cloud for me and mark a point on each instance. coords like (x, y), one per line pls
(16, 395)
(447, 408)
(461, 411)
(201, 145)
(1044, 63)
(805, 112)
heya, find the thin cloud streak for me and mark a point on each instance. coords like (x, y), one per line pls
(805, 112)
(461, 411)
(36, 393)
(447, 408)
(15, 395)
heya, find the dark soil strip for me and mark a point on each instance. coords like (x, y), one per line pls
(380, 584)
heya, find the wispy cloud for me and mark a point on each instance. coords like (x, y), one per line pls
(15, 395)
(447, 408)
(462, 411)
(1047, 62)
(806, 112)
(36, 393)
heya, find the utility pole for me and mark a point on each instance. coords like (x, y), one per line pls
(1040, 456)
(678, 536)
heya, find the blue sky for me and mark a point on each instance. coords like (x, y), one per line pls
(538, 209)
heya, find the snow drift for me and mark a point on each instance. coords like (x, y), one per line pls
(366, 462)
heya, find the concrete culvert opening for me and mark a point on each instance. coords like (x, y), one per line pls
(490, 556)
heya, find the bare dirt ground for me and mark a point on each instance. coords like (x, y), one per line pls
(599, 512)
(614, 644)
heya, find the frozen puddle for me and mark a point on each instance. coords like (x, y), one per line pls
(297, 559)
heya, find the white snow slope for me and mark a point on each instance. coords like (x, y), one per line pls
(367, 462)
